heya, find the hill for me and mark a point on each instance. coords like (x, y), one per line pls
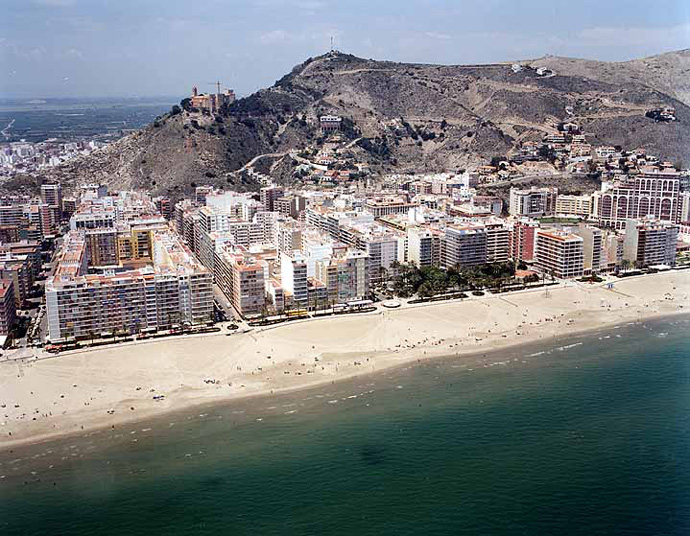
(668, 73)
(400, 117)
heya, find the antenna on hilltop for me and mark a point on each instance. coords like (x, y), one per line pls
(217, 84)
(332, 47)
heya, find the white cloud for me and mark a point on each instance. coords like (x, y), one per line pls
(276, 36)
(437, 35)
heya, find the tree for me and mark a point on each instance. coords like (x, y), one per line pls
(425, 290)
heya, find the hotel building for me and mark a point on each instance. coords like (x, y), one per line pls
(649, 194)
(559, 253)
(533, 202)
(463, 246)
(650, 242)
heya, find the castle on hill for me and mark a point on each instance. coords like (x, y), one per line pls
(211, 101)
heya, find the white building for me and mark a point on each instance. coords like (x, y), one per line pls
(650, 242)
(533, 202)
(293, 275)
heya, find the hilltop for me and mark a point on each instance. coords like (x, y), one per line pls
(401, 117)
(668, 73)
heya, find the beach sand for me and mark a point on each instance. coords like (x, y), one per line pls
(105, 387)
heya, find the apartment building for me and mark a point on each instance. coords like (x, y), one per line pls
(242, 279)
(559, 253)
(592, 246)
(497, 241)
(612, 250)
(202, 192)
(423, 247)
(51, 194)
(290, 206)
(648, 194)
(8, 313)
(159, 286)
(293, 276)
(21, 270)
(345, 276)
(268, 196)
(574, 205)
(381, 249)
(650, 242)
(289, 236)
(464, 246)
(523, 238)
(533, 202)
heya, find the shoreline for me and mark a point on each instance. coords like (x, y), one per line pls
(201, 371)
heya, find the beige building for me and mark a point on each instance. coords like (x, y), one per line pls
(345, 276)
(574, 205)
(242, 279)
(592, 246)
(559, 253)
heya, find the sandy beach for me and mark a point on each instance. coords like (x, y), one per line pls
(41, 399)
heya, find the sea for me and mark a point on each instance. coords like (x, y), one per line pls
(585, 435)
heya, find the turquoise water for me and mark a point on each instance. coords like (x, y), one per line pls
(588, 436)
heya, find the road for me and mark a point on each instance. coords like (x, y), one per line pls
(526, 178)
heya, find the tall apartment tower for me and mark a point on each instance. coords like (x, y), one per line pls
(269, 195)
(51, 194)
(464, 246)
(559, 253)
(649, 242)
(522, 240)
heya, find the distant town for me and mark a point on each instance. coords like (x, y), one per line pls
(28, 157)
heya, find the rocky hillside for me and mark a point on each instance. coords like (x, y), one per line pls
(405, 117)
(668, 73)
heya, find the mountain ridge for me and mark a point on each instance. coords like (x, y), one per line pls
(402, 117)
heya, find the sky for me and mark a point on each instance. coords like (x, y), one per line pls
(80, 48)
